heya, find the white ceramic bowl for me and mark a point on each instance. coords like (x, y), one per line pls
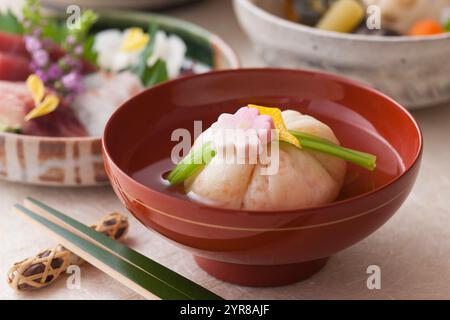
(413, 70)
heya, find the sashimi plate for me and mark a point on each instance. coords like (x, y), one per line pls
(77, 161)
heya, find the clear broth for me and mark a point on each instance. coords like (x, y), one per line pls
(148, 164)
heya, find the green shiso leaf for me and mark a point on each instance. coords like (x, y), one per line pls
(10, 23)
(55, 31)
(141, 66)
(200, 156)
(89, 54)
(155, 74)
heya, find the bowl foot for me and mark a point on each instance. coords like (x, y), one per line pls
(260, 276)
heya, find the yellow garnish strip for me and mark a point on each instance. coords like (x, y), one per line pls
(42, 105)
(275, 114)
(135, 39)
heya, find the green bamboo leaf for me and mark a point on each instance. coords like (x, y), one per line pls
(166, 278)
(10, 23)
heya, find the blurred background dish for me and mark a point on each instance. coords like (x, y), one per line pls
(75, 160)
(411, 69)
(118, 4)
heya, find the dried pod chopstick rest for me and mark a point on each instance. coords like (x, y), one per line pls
(45, 267)
(39, 271)
(114, 225)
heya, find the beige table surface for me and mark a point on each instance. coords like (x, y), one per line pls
(412, 249)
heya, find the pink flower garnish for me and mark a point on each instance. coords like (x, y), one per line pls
(247, 119)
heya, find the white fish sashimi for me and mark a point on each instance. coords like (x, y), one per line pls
(105, 92)
(107, 45)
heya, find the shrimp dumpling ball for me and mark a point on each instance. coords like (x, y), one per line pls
(304, 178)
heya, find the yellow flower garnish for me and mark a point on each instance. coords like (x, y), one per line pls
(275, 114)
(42, 105)
(135, 39)
(36, 87)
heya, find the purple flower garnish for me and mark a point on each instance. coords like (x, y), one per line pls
(33, 67)
(79, 50)
(70, 40)
(42, 75)
(41, 58)
(26, 24)
(62, 75)
(69, 61)
(47, 43)
(32, 44)
(37, 32)
(72, 82)
(54, 72)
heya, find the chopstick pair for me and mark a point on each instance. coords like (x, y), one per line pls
(141, 274)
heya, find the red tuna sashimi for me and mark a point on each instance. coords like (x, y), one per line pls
(12, 44)
(13, 68)
(16, 102)
(60, 123)
(16, 68)
(15, 44)
(14, 58)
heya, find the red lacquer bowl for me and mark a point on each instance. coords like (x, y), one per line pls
(262, 248)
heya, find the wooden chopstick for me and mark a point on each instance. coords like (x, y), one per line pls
(190, 288)
(134, 270)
